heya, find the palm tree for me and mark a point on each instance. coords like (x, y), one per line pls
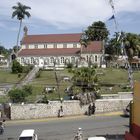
(20, 11)
(85, 79)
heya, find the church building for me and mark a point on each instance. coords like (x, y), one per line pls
(47, 50)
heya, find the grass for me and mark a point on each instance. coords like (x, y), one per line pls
(8, 77)
(109, 77)
(47, 78)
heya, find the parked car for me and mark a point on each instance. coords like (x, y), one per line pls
(28, 134)
(96, 138)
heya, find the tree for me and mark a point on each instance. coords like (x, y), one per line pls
(17, 95)
(4, 51)
(16, 67)
(132, 45)
(86, 79)
(20, 11)
(96, 32)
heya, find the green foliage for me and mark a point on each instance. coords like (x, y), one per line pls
(45, 100)
(16, 67)
(95, 32)
(85, 77)
(69, 65)
(130, 41)
(28, 89)
(17, 95)
(4, 51)
(20, 11)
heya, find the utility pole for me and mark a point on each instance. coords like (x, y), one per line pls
(57, 81)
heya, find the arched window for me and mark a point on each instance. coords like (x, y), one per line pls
(96, 58)
(62, 60)
(22, 60)
(46, 61)
(67, 61)
(72, 59)
(32, 60)
(52, 60)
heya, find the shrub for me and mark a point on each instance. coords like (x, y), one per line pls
(28, 89)
(17, 95)
(16, 67)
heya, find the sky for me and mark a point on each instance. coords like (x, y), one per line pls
(67, 16)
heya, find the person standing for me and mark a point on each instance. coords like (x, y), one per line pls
(90, 109)
(93, 108)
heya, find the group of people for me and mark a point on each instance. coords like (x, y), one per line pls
(91, 109)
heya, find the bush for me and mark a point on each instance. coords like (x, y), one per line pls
(28, 89)
(69, 65)
(17, 95)
(16, 67)
(45, 100)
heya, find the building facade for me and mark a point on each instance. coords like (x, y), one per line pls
(58, 49)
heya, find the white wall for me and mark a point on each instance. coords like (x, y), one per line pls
(73, 107)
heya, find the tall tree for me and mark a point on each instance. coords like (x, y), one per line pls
(20, 11)
(96, 32)
(131, 43)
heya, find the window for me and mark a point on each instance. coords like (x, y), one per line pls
(72, 59)
(55, 45)
(36, 46)
(27, 46)
(25, 138)
(74, 45)
(22, 60)
(32, 60)
(62, 60)
(95, 58)
(51, 60)
(64, 45)
(45, 45)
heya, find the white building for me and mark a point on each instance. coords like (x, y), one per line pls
(45, 50)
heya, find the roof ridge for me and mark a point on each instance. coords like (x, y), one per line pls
(54, 34)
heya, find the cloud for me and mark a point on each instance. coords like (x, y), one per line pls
(69, 13)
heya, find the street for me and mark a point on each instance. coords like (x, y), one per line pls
(66, 128)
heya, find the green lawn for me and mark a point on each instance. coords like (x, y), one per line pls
(7, 77)
(47, 78)
(115, 78)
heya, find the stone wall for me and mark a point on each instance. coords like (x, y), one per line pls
(72, 107)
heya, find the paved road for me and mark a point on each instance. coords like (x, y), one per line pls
(66, 128)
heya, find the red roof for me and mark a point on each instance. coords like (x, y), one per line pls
(50, 52)
(51, 38)
(94, 47)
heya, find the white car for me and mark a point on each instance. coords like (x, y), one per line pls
(28, 134)
(96, 138)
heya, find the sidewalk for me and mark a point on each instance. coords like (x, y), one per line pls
(8, 122)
